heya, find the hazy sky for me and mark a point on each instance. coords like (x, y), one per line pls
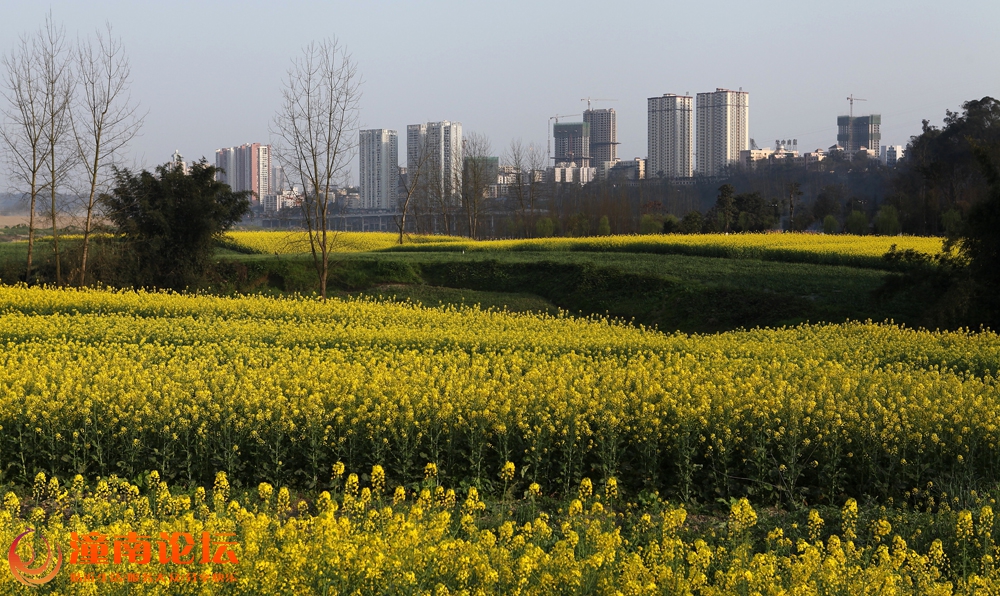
(210, 73)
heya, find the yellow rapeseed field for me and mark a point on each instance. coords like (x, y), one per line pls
(365, 538)
(290, 242)
(277, 390)
(841, 249)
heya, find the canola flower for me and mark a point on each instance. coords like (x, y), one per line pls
(283, 390)
(842, 249)
(285, 242)
(364, 543)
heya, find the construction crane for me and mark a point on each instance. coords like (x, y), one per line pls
(549, 131)
(853, 99)
(850, 123)
(588, 100)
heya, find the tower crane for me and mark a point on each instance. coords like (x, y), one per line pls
(853, 99)
(588, 100)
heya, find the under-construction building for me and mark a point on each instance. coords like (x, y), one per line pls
(603, 135)
(855, 132)
(572, 143)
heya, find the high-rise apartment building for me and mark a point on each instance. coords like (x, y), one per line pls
(572, 143)
(441, 167)
(855, 132)
(670, 137)
(378, 154)
(247, 167)
(891, 154)
(603, 135)
(723, 129)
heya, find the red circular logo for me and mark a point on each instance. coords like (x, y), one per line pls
(22, 569)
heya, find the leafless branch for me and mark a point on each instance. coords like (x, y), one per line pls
(316, 135)
(104, 119)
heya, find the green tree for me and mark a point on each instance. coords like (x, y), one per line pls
(692, 223)
(649, 225)
(755, 215)
(671, 225)
(828, 202)
(941, 171)
(725, 212)
(887, 221)
(579, 225)
(544, 227)
(169, 221)
(981, 240)
(604, 226)
(794, 191)
(857, 223)
(951, 220)
(830, 225)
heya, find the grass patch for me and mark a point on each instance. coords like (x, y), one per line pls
(432, 296)
(671, 292)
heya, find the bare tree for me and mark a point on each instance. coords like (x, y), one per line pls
(57, 72)
(440, 190)
(104, 120)
(23, 129)
(316, 131)
(416, 178)
(526, 190)
(479, 171)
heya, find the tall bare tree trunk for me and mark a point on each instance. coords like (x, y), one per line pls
(317, 128)
(106, 122)
(59, 86)
(24, 128)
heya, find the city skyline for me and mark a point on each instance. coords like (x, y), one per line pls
(799, 86)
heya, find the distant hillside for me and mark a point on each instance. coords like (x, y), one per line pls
(10, 204)
(17, 204)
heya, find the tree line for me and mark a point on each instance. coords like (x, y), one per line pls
(67, 115)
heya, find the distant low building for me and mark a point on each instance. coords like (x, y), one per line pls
(570, 173)
(784, 152)
(631, 169)
(891, 154)
(815, 156)
(276, 202)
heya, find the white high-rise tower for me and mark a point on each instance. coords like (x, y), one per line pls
(378, 155)
(671, 137)
(723, 129)
(442, 165)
